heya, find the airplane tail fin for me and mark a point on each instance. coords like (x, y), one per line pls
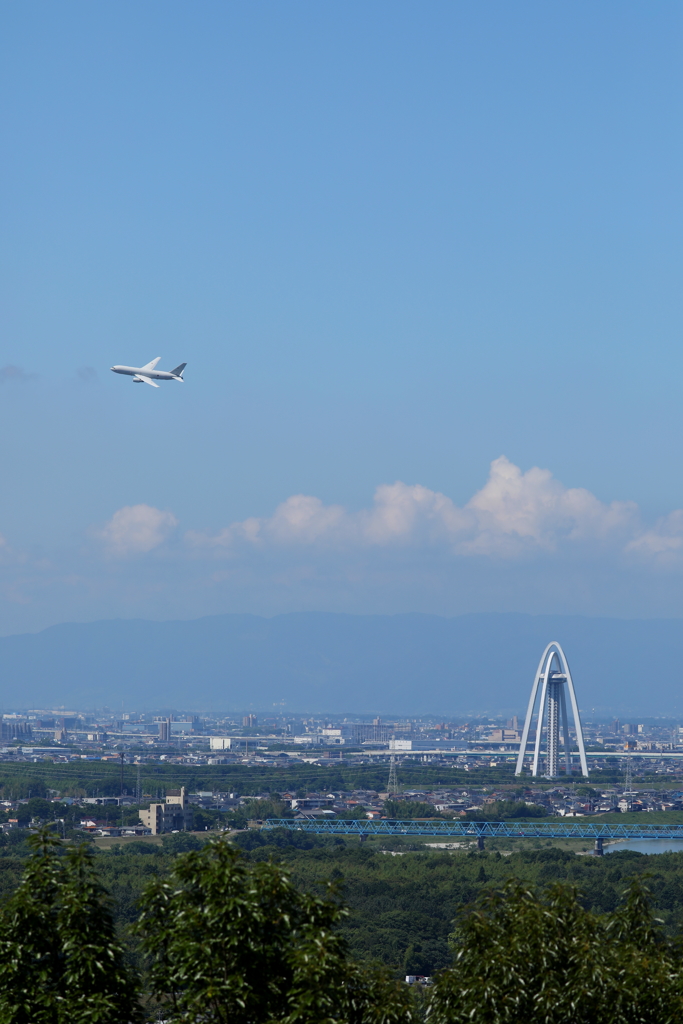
(178, 372)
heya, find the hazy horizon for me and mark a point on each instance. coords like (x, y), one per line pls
(258, 615)
(327, 662)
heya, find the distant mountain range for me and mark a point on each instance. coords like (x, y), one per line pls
(319, 662)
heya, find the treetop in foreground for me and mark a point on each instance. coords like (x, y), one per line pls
(60, 959)
(231, 941)
(529, 957)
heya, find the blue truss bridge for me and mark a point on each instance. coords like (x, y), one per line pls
(478, 829)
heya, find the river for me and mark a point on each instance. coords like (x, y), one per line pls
(647, 846)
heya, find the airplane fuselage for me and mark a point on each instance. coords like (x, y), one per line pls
(133, 371)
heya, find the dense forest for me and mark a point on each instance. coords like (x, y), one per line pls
(402, 900)
(294, 931)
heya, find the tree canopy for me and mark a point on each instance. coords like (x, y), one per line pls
(60, 959)
(524, 956)
(231, 941)
(230, 936)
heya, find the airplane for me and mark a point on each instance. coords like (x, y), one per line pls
(144, 374)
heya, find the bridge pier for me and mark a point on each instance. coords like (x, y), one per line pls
(598, 851)
(363, 837)
(480, 843)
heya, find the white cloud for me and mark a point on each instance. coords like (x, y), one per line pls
(513, 513)
(136, 529)
(664, 542)
(403, 514)
(523, 542)
(400, 513)
(516, 511)
(299, 520)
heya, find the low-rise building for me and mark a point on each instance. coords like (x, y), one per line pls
(175, 815)
(311, 803)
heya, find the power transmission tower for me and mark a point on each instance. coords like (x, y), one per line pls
(628, 781)
(392, 788)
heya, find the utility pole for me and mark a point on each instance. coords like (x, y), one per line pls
(138, 788)
(122, 756)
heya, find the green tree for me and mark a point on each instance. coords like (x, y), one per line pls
(589, 791)
(231, 941)
(524, 957)
(353, 814)
(180, 842)
(502, 810)
(37, 807)
(206, 819)
(60, 960)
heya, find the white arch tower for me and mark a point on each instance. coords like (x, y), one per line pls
(553, 672)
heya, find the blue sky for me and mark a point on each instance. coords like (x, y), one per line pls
(394, 242)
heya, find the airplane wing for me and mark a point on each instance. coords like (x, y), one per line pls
(139, 378)
(150, 366)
